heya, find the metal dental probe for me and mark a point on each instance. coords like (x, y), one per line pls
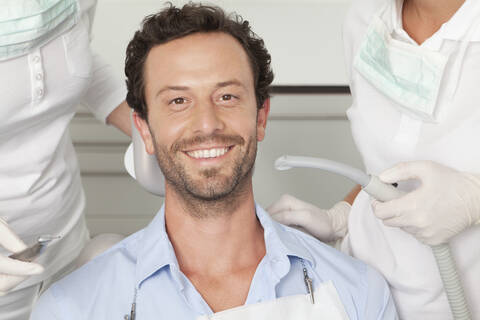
(29, 254)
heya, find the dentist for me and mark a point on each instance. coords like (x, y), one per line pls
(414, 69)
(46, 70)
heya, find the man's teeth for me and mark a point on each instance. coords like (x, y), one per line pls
(210, 153)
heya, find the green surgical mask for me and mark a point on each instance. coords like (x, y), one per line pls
(408, 74)
(26, 24)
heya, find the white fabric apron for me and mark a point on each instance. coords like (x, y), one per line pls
(299, 307)
(385, 136)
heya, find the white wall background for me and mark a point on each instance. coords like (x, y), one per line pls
(304, 38)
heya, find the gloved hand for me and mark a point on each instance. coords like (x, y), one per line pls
(325, 225)
(12, 271)
(446, 203)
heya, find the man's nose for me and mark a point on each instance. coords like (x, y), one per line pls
(207, 118)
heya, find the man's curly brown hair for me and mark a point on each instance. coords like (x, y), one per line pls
(172, 23)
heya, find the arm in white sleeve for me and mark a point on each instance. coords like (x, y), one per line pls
(106, 92)
(106, 95)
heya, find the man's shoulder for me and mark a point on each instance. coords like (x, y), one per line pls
(119, 259)
(347, 272)
(114, 269)
(355, 281)
(360, 287)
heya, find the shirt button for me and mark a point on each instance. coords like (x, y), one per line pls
(39, 92)
(36, 58)
(39, 76)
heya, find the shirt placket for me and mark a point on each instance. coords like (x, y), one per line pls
(37, 76)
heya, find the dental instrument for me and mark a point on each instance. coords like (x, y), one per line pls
(29, 254)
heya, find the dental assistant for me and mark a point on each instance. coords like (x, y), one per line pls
(46, 69)
(414, 70)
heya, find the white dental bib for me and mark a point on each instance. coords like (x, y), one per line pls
(298, 307)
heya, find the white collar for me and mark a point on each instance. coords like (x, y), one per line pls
(457, 28)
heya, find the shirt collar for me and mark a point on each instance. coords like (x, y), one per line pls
(463, 22)
(281, 243)
(155, 250)
(457, 28)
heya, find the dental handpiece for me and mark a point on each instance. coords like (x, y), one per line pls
(31, 253)
(381, 191)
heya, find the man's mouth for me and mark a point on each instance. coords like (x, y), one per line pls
(208, 153)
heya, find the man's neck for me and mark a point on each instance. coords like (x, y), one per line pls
(214, 250)
(422, 18)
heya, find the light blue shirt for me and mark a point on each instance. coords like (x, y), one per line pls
(104, 288)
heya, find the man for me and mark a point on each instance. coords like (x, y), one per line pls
(198, 82)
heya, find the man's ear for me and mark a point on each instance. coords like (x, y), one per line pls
(262, 116)
(142, 127)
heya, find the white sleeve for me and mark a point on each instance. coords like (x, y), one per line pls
(87, 9)
(106, 90)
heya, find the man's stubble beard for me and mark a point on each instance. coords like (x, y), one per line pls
(217, 197)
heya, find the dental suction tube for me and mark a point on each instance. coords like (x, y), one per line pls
(370, 184)
(287, 162)
(386, 192)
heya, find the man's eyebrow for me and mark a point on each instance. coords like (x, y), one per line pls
(175, 88)
(223, 84)
(233, 82)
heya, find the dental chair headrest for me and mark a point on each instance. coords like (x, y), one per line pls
(142, 166)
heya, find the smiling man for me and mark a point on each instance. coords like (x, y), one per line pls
(198, 82)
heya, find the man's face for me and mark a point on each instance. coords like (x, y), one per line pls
(203, 123)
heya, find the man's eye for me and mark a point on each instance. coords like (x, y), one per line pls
(178, 101)
(227, 97)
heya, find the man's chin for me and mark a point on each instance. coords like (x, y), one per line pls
(209, 190)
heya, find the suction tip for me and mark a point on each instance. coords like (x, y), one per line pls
(282, 164)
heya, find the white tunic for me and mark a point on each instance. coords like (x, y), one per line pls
(40, 187)
(385, 136)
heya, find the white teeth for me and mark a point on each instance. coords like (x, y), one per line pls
(210, 153)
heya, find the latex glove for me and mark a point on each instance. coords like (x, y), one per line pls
(325, 225)
(12, 271)
(446, 203)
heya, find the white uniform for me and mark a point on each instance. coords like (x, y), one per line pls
(385, 135)
(40, 187)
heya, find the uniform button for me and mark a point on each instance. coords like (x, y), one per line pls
(39, 92)
(39, 76)
(36, 58)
